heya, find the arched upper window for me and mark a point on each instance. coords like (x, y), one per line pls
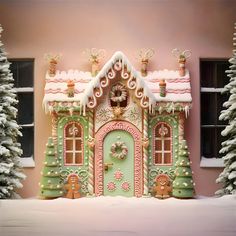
(118, 96)
(162, 144)
(73, 144)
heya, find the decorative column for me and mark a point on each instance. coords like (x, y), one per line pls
(145, 144)
(54, 127)
(162, 86)
(70, 88)
(181, 126)
(91, 144)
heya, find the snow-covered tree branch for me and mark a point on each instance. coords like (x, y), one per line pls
(10, 150)
(228, 176)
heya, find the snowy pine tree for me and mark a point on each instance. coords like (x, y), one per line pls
(10, 150)
(228, 176)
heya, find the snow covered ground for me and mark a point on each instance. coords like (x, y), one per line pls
(113, 216)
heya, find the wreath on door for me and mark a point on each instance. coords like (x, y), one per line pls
(119, 150)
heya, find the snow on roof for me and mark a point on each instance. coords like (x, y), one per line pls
(178, 88)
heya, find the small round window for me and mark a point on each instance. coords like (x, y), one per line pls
(119, 95)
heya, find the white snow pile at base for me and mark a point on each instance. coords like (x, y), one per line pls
(113, 216)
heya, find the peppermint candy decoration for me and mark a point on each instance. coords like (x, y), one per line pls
(111, 186)
(118, 175)
(125, 186)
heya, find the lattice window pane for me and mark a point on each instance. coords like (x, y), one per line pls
(69, 158)
(167, 158)
(158, 145)
(158, 158)
(208, 143)
(78, 145)
(27, 141)
(78, 158)
(69, 145)
(222, 78)
(25, 72)
(207, 74)
(25, 108)
(208, 107)
(167, 145)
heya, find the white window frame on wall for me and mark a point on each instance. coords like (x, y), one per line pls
(162, 151)
(26, 161)
(211, 162)
(73, 139)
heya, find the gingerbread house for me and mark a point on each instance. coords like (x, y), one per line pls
(118, 130)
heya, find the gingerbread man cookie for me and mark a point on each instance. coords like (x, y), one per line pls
(163, 186)
(72, 187)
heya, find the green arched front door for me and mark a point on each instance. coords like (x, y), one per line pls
(118, 173)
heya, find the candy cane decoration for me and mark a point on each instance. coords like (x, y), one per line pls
(182, 56)
(91, 154)
(145, 152)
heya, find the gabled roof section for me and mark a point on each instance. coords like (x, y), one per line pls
(88, 88)
(118, 62)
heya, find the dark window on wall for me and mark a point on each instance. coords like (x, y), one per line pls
(23, 74)
(213, 79)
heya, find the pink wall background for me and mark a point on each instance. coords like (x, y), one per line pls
(32, 28)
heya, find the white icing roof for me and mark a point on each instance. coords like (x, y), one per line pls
(178, 88)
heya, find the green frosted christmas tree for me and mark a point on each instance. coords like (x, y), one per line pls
(183, 186)
(51, 186)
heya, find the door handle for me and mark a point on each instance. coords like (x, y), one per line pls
(107, 166)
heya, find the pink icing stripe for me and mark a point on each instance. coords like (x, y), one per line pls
(176, 91)
(65, 80)
(170, 80)
(55, 91)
